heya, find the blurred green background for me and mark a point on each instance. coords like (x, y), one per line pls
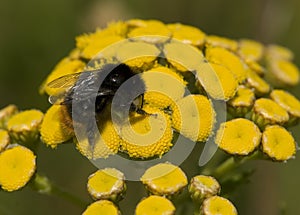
(36, 34)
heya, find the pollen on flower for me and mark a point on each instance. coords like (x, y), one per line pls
(164, 179)
(54, 129)
(217, 41)
(24, 126)
(217, 205)
(17, 165)
(194, 117)
(278, 143)
(228, 59)
(202, 187)
(6, 113)
(155, 205)
(4, 139)
(238, 136)
(187, 34)
(101, 207)
(266, 111)
(108, 183)
(147, 136)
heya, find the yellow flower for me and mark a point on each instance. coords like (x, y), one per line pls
(6, 113)
(242, 102)
(287, 101)
(278, 143)
(202, 187)
(255, 82)
(108, 183)
(155, 205)
(217, 41)
(101, 207)
(24, 126)
(228, 59)
(217, 205)
(282, 73)
(238, 136)
(147, 136)
(250, 50)
(194, 117)
(266, 111)
(278, 52)
(54, 129)
(256, 67)
(17, 165)
(187, 34)
(4, 139)
(164, 179)
(221, 84)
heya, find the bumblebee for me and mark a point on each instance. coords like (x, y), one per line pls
(86, 94)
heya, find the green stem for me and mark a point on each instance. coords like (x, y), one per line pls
(43, 185)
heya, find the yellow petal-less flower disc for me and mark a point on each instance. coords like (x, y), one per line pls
(255, 82)
(194, 117)
(266, 111)
(147, 136)
(250, 50)
(202, 187)
(17, 165)
(228, 59)
(217, 205)
(155, 205)
(279, 52)
(187, 34)
(101, 207)
(217, 41)
(286, 100)
(256, 67)
(24, 126)
(54, 129)
(282, 73)
(4, 139)
(222, 85)
(238, 136)
(242, 102)
(6, 113)
(108, 183)
(278, 143)
(164, 179)
(65, 67)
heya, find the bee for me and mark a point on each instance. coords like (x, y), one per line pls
(86, 94)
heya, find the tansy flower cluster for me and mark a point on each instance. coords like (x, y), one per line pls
(187, 75)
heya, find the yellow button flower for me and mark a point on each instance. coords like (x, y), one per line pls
(289, 102)
(194, 117)
(217, 205)
(238, 136)
(155, 205)
(255, 82)
(242, 102)
(250, 50)
(266, 111)
(147, 136)
(17, 165)
(164, 179)
(202, 187)
(217, 41)
(25, 125)
(4, 139)
(6, 113)
(282, 73)
(54, 129)
(102, 207)
(228, 59)
(256, 67)
(278, 143)
(187, 34)
(108, 183)
(279, 52)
